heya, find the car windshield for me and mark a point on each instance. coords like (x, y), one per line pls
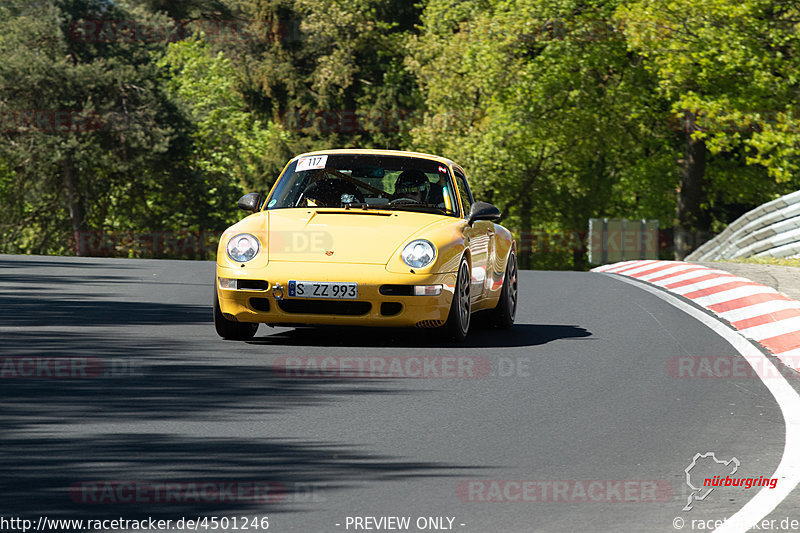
(366, 182)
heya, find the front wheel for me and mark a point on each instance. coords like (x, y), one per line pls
(457, 325)
(503, 315)
(228, 329)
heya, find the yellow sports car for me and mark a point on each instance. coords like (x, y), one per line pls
(365, 237)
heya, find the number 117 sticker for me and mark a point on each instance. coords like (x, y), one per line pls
(311, 162)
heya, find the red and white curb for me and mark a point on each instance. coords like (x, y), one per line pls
(758, 312)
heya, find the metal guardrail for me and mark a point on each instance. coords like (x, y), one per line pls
(770, 230)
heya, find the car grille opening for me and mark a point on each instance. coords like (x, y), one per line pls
(391, 308)
(324, 307)
(430, 323)
(252, 285)
(397, 290)
(259, 304)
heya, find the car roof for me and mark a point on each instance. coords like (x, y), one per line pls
(365, 151)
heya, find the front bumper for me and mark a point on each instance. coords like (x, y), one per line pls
(370, 309)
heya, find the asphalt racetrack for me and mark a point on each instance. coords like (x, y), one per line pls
(575, 420)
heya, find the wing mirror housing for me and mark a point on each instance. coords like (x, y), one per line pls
(250, 202)
(483, 211)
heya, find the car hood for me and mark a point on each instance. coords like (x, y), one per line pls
(341, 236)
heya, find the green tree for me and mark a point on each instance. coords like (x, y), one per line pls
(551, 112)
(88, 131)
(230, 146)
(729, 71)
(329, 72)
(95, 137)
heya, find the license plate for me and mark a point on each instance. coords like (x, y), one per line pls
(323, 289)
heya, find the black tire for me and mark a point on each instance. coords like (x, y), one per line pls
(228, 329)
(502, 316)
(457, 325)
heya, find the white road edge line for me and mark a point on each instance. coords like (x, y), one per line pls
(788, 471)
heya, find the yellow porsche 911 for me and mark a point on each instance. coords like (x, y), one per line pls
(368, 238)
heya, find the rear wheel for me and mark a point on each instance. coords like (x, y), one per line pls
(228, 329)
(503, 315)
(457, 326)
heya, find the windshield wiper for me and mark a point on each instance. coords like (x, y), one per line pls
(412, 206)
(361, 205)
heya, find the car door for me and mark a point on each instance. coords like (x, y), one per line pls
(481, 242)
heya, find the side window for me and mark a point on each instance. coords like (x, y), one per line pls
(463, 192)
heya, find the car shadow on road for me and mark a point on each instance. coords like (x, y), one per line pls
(518, 336)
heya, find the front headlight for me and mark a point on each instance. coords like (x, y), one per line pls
(418, 254)
(243, 247)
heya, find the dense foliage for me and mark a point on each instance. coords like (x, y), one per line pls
(131, 127)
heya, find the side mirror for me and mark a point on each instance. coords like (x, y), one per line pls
(250, 202)
(483, 211)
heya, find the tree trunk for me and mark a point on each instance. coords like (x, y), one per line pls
(526, 241)
(578, 243)
(77, 213)
(690, 220)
